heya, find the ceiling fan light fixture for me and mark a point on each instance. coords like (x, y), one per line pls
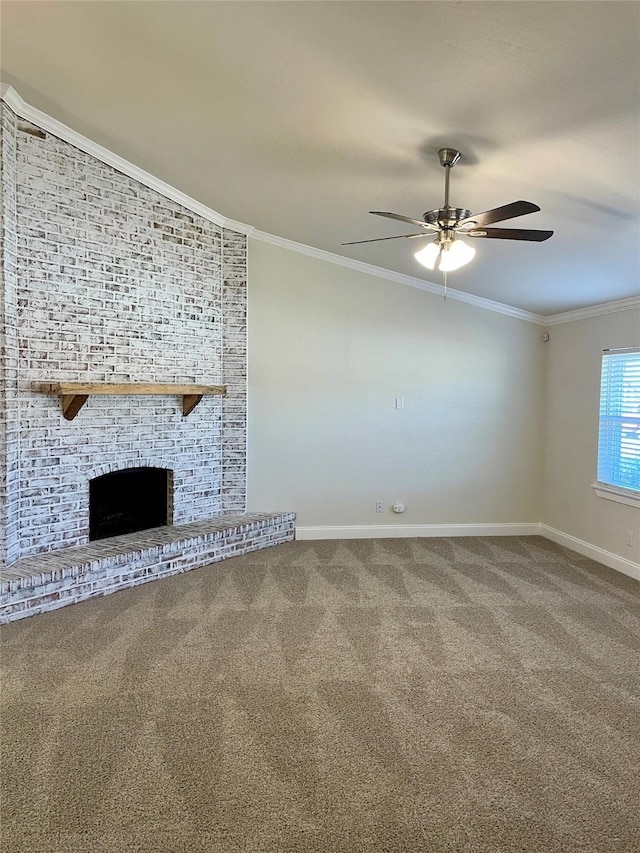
(448, 256)
(428, 256)
(456, 255)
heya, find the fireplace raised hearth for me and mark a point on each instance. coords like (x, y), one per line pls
(128, 501)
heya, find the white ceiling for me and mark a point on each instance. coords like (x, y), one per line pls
(299, 117)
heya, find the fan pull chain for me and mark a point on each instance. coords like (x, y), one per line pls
(444, 275)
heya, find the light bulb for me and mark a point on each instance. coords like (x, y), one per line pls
(455, 256)
(428, 256)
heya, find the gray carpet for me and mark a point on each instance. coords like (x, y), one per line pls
(390, 695)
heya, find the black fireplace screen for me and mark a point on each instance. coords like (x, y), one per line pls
(127, 501)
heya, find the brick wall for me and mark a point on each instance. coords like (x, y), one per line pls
(110, 281)
(9, 431)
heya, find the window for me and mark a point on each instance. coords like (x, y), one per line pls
(619, 434)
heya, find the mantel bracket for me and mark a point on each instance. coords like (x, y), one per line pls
(72, 403)
(189, 402)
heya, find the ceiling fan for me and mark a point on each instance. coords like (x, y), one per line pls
(448, 252)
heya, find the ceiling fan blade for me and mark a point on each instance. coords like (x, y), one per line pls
(377, 239)
(498, 214)
(510, 234)
(419, 222)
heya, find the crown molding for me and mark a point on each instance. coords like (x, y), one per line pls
(13, 100)
(399, 278)
(19, 106)
(593, 311)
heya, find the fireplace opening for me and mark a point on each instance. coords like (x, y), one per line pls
(128, 501)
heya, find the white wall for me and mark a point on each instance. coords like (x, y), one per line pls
(329, 351)
(573, 393)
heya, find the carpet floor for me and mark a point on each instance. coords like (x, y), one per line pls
(477, 695)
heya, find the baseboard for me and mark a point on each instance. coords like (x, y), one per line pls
(607, 558)
(400, 531)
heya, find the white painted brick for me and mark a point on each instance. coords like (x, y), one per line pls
(105, 280)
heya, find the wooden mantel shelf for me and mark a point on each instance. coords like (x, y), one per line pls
(75, 394)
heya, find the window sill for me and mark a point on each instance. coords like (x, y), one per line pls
(613, 493)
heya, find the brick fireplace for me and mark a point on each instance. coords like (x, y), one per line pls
(107, 280)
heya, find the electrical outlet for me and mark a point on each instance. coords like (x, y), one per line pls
(379, 507)
(630, 538)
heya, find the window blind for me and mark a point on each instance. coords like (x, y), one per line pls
(619, 433)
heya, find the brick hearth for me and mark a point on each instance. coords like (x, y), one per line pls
(35, 585)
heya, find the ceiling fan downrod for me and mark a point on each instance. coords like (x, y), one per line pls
(447, 217)
(448, 159)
